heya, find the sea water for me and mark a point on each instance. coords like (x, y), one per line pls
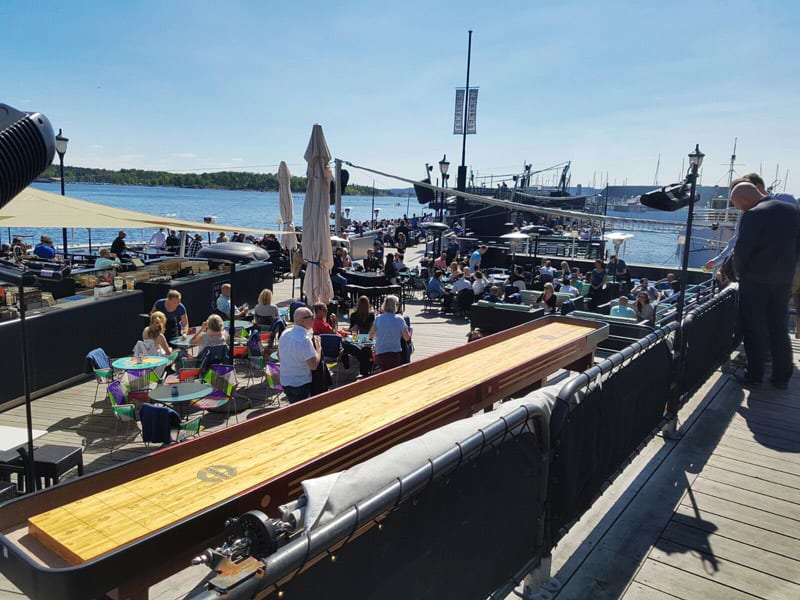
(260, 210)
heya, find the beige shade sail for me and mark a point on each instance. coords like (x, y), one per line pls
(37, 208)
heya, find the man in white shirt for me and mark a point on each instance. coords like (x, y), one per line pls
(461, 284)
(299, 352)
(566, 288)
(158, 240)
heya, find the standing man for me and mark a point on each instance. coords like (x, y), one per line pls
(300, 353)
(765, 255)
(757, 181)
(175, 311)
(158, 239)
(453, 248)
(475, 258)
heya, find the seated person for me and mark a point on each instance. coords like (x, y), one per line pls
(495, 294)
(547, 269)
(118, 246)
(455, 272)
(548, 299)
(645, 286)
(390, 269)
(479, 284)
(153, 336)
(5, 252)
(44, 249)
(466, 272)
(461, 284)
(174, 311)
(371, 264)
(224, 303)
(265, 311)
(517, 279)
(622, 309)
(568, 288)
(399, 262)
(347, 260)
(666, 283)
(211, 333)
(441, 261)
(323, 323)
(435, 286)
(107, 260)
(377, 248)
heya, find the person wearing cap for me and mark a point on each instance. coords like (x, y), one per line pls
(195, 246)
(453, 248)
(44, 249)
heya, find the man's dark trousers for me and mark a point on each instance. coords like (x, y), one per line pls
(763, 309)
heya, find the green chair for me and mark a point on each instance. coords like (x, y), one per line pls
(222, 378)
(138, 383)
(124, 412)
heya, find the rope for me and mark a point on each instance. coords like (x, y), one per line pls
(508, 204)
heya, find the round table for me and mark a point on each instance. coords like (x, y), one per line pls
(238, 323)
(147, 362)
(187, 391)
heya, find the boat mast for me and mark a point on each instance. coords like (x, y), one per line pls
(730, 180)
(658, 166)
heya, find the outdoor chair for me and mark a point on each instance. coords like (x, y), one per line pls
(331, 352)
(293, 307)
(171, 377)
(138, 383)
(464, 301)
(124, 412)
(162, 425)
(431, 302)
(222, 379)
(214, 355)
(98, 363)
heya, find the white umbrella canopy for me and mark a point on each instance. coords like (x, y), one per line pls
(289, 240)
(316, 232)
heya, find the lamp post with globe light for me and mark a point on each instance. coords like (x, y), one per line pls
(61, 148)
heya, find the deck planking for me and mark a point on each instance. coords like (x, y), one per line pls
(714, 515)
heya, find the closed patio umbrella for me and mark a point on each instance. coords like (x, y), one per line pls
(316, 232)
(286, 204)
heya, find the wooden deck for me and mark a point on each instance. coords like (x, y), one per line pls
(714, 515)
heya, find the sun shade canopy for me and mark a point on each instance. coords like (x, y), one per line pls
(37, 208)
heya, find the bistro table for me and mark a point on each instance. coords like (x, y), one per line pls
(238, 323)
(187, 391)
(145, 362)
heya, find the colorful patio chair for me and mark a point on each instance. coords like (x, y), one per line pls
(124, 412)
(98, 363)
(223, 379)
(138, 383)
(162, 425)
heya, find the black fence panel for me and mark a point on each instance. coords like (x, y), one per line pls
(709, 331)
(601, 418)
(459, 538)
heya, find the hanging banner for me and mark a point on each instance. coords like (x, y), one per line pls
(458, 121)
(472, 111)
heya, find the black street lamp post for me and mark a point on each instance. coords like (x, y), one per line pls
(61, 148)
(695, 162)
(444, 165)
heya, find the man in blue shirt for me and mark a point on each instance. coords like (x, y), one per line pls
(224, 303)
(475, 258)
(44, 249)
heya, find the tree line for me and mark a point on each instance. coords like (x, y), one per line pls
(224, 180)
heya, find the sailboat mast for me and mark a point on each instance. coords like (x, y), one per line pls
(658, 166)
(728, 199)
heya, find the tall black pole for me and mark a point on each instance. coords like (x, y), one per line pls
(603, 227)
(373, 205)
(461, 182)
(63, 229)
(30, 475)
(687, 242)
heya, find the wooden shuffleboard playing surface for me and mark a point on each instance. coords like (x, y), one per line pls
(91, 526)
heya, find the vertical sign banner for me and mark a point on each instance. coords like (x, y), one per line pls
(458, 121)
(472, 110)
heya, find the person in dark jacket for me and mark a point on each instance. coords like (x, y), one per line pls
(765, 255)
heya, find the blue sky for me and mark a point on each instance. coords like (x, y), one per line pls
(200, 85)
